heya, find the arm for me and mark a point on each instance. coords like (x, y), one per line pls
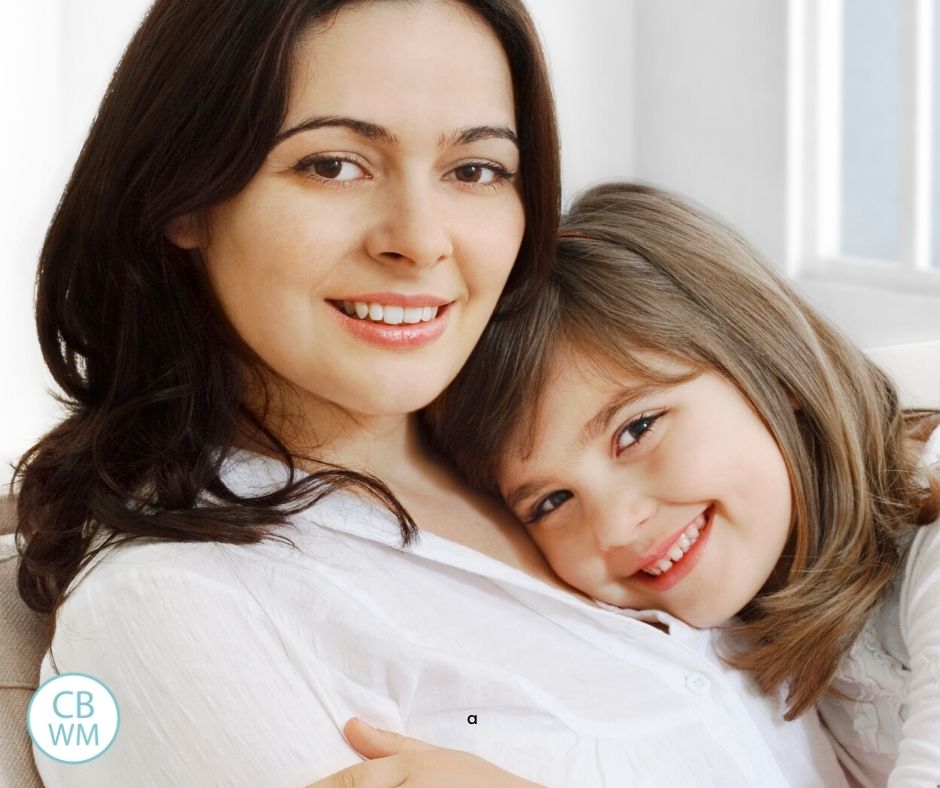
(919, 751)
(206, 692)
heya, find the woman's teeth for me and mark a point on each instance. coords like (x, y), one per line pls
(683, 544)
(390, 315)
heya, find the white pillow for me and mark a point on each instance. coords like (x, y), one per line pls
(916, 371)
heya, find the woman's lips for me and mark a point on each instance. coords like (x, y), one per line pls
(400, 335)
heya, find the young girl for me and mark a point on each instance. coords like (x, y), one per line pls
(680, 432)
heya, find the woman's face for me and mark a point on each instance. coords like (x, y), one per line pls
(672, 498)
(364, 258)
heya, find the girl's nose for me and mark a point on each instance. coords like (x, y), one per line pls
(618, 519)
(410, 228)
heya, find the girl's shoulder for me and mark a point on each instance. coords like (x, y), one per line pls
(922, 562)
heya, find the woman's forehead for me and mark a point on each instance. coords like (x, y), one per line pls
(397, 62)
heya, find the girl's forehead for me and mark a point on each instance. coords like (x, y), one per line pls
(580, 384)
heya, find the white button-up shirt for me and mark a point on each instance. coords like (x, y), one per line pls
(239, 665)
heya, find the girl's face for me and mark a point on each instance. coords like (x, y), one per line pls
(672, 498)
(365, 257)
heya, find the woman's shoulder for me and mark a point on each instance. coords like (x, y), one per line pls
(159, 561)
(137, 584)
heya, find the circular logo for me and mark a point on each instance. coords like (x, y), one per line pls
(73, 718)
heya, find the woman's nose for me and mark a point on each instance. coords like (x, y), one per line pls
(410, 227)
(617, 520)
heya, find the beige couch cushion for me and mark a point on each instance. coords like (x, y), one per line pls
(22, 643)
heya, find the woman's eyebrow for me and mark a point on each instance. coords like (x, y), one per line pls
(375, 132)
(370, 131)
(476, 134)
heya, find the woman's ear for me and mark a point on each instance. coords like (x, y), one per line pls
(186, 232)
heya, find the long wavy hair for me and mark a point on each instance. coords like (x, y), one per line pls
(639, 271)
(154, 379)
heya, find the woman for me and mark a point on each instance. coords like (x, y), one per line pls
(289, 225)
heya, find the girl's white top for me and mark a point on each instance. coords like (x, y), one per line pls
(238, 666)
(887, 728)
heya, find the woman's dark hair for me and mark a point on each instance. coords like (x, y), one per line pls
(640, 272)
(154, 377)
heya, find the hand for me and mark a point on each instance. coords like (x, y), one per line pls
(396, 760)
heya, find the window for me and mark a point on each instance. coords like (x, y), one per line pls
(865, 106)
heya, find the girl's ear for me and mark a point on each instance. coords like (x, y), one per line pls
(186, 232)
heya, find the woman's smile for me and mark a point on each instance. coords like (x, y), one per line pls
(353, 262)
(385, 320)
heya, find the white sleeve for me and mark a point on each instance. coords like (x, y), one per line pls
(918, 761)
(205, 686)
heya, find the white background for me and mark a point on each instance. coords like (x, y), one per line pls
(688, 94)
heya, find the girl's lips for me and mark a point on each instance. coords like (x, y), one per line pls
(684, 565)
(661, 550)
(404, 336)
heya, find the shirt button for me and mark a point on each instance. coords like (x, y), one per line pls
(697, 683)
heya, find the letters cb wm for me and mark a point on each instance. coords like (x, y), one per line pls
(73, 718)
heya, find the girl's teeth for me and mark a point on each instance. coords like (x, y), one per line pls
(679, 549)
(390, 315)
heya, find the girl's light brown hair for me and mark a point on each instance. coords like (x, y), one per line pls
(639, 271)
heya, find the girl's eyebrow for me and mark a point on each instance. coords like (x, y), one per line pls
(598, 424)
(375, 132)
(600, 421)
(524, 491)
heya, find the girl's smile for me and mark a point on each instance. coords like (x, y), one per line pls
(679, 557)
(674, 497)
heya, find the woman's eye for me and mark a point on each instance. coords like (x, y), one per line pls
(635, 431)
(548, 504)
(332, 168)
(481, 173)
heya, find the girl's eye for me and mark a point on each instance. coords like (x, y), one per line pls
(635, 431)
(482, 173)
(333, 168)
(548, 504)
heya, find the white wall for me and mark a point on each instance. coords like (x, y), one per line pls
(56, 59)
(711, 112)
(591, 50)
(31, 132)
